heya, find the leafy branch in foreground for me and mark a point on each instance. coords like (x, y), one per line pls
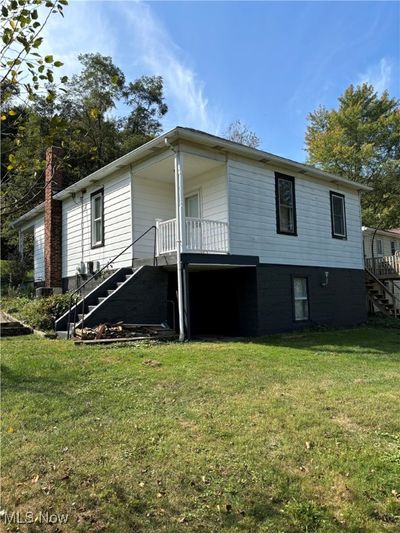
(24, 69)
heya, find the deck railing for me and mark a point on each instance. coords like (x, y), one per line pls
(388, 265)
(201, 236)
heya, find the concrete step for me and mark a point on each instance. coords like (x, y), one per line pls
(14, 330)
(110, 291)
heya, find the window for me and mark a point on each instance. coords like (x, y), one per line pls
(285, 204)
(338, 216)
(392, 247)
(97, 218)
(300, 296)
(379, 247)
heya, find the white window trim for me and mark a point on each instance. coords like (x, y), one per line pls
(93, 221)
(301, 299)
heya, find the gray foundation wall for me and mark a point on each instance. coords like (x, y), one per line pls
(143, 300)
(341, 303)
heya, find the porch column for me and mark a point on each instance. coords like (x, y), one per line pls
(180, 238)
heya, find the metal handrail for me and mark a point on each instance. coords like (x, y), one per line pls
(97, 273)
(385, 289)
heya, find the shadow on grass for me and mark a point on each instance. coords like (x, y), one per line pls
(56, 385)
(362, 341)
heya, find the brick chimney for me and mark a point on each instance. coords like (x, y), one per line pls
(52, 219)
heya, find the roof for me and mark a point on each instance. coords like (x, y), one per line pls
(200, 137)
(394, 233)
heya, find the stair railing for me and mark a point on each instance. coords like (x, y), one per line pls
(395, 300)
(77, 292)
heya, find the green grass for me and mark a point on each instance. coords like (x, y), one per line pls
(285, 434)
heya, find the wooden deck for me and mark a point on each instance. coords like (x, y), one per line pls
(386, 267)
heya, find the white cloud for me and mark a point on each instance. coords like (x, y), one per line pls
(160, 55)
(378, 75)
(139, 44)
(83, 29)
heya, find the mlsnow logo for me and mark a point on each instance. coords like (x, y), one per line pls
(28, 517)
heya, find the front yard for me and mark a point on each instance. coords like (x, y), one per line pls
(288, 433)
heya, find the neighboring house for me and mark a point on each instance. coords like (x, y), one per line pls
(382, 259)
(246, 242)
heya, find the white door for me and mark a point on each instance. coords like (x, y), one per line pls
(193, 227)
(192, 206)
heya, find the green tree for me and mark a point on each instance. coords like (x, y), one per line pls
(360, 140)
(84, 121)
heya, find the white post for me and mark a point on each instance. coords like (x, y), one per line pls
(180, 236)
(158, 220)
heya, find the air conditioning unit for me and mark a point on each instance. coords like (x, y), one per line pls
(81, 269)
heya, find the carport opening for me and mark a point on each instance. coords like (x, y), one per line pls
(223, 302)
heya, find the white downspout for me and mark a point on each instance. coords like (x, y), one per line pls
(180, 232)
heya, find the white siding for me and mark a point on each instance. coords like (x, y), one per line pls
(76, 231)
(154, 199)
(386, 240)
(38, 249)
(252, 218)
(151, 199)
(212, 187)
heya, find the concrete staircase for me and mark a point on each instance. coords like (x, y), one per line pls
(12, 328)
(131, 295)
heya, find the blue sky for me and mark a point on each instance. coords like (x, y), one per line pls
(266, 63)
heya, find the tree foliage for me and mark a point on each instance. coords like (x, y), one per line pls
(97, 119)
(238, 132)
(360, 140)
(24, 69)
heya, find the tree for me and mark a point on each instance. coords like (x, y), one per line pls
(84, 122)
(238, 132)
(361, 141)
(24, 69)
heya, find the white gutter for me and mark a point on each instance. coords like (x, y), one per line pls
(205, 139)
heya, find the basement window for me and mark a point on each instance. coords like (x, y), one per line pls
(300, 299)
(97, 218)
(338, 216)
(285, 204)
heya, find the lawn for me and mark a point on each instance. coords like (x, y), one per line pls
(287, 433)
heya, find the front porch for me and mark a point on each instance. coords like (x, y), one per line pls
(183, 191)
(201, 236)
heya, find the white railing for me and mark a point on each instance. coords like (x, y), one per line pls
(384, 266)
(166, 236)
(201, 236)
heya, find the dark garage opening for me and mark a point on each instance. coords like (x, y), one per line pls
(223, 302)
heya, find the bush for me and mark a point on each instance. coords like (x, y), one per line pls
(40, 313)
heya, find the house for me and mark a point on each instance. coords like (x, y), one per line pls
(211, 236)
(382, 263)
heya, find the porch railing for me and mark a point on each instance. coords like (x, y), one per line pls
(201, 236)
(388, 265)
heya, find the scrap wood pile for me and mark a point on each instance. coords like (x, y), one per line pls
(120, 330)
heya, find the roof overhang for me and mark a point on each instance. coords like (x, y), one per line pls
(22, 220)
(385, 232)
(212, 142)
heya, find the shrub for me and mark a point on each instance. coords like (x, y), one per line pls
(40, 313)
